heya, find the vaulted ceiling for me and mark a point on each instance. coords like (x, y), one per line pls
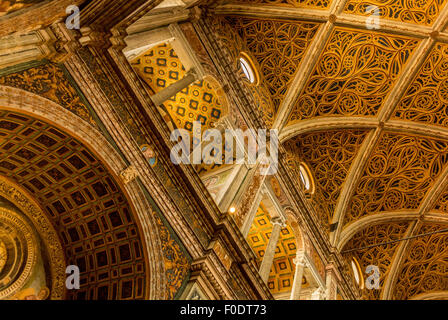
(83, 201)
(366, 109)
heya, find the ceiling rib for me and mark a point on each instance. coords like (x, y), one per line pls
(306, 67)
(385, 113)
(341, 19)
(353, 176)
(397, 261)
(302, 74)
(333, 123)
(370, 220)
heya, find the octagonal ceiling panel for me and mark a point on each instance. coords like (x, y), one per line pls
(354, 74)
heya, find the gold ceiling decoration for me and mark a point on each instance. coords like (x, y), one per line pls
(14, 223)
(381, 256)
(81, 200)
(9, 6)
(442, 203)
(392, 83)
(314, 4)
(354, 74)
(421, 12)
(426, 99)
(329, 154)
(399, 173)
(17, 234)
(3, 255)
(233, 43)
(278, 46)
(160, 67)
(283, 269)
(425, 266)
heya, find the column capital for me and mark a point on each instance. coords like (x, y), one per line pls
(279, 221)
(300, 259)
(129, 174)
(193, 72)
(223, 123)
(319, 294)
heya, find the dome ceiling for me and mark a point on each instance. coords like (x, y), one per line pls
(366, 110)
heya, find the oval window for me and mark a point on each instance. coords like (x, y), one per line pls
(305, 177)
(248, 68)
(357, 273)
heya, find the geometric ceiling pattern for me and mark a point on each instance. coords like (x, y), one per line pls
(90, 213)
(354, 75)
(278, 47)
(425, 266)
(329, 155)
(200, 102)
(426, 100)
(417, 12)
(160, 67)
(283, 269)
(398, 175)
(367, 114)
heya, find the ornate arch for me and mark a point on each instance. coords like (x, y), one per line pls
(440, 295)
(28, 103)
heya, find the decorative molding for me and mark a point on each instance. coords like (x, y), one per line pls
(129, 174)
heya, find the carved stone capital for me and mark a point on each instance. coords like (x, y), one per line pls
(300, 259)
(95, 38)
(129, 174)
(279, 221)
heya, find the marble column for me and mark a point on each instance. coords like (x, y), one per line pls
(251, 215)
(300, 262)
(268, 258)
(170, 91)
